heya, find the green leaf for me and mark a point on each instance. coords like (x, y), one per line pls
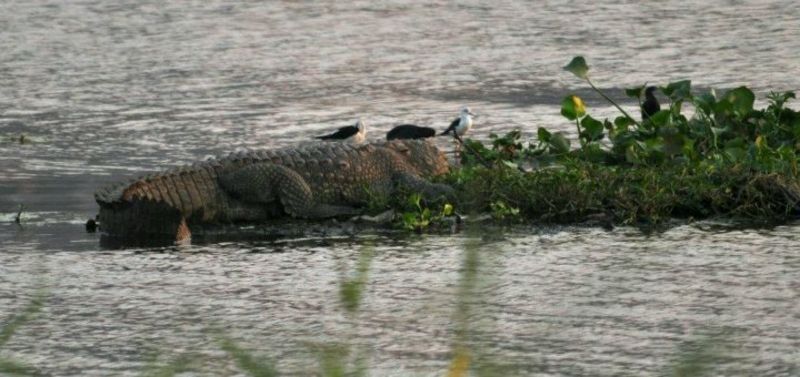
(722, 109)
(673, 140)
(592, 128)
(741, 100)
(661, 118)
(705, 102)
(572, 107)
(559, 143)
(688, 150)
(736, 154)
(543, 134)
(636, 92)
(414, 200)
(632, 155)
(787, 153)
(622, 122)
(795, 127)
(655, 144)
(718, 131)
(409, 220)
(622, 139)
(578, 67)
(678, 90)
(676, 107)
(426, 214)
(735, 143)
(594, 152)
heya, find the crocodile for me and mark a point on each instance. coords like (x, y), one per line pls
(316, 181)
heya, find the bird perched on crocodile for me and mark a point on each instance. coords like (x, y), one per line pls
(410, 132)
(355, 134)
(315, 181)
(462, 124)
(458, 128)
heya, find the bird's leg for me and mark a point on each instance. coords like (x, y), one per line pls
(458, 143)
(469, 149)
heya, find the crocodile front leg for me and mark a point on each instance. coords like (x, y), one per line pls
(266, 183)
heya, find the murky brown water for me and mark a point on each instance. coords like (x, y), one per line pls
(104, 90)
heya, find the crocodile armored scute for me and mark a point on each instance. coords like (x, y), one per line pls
(319, 180)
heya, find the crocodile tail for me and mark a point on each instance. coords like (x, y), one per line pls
(140, 219)
(156, 205)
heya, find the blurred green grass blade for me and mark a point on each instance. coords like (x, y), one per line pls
(697, 358)
(14, 368)
(178, 365)
(28, 313)
(351, 290)
(246, 361)
(333, 360)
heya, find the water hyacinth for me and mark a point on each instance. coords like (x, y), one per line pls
(727, 160)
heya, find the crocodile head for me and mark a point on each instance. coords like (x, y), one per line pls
(422, 155)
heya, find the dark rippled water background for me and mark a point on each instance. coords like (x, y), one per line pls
(105, 90)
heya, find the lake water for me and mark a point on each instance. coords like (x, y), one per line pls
(107, 90)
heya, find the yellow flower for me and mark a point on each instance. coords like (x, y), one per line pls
(761, 142)
(448, 209)
(580, 107)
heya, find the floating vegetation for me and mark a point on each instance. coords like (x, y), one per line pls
(729, 159)
(417, 216)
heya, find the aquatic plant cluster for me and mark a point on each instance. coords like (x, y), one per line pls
(728, 159)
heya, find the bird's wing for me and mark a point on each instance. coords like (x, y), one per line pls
(395, 133)
(452, 127)
(342, 133)
(410, 131)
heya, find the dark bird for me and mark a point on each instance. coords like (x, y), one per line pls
(355, 134)
(91, 226)
(462, 124)
(410, 131)
(650, 105)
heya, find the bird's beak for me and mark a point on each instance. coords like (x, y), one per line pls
(473, 114)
